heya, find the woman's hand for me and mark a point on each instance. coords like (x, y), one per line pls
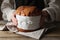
(14, 20)
(44, 16)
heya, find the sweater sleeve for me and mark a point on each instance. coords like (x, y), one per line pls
(7, 10)
(53, 10)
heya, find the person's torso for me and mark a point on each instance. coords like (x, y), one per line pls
(38, 3)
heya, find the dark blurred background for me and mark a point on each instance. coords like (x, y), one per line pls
(0, 10)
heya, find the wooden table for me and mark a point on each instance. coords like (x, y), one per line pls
(6, 35)
(52, 34)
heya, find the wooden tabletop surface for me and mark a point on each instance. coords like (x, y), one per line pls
(6, 35)
(52, 34)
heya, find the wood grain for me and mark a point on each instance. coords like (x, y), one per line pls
(6, 35)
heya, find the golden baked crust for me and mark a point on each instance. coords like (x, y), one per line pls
(28, 11)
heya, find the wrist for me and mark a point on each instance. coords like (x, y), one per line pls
(46, 15)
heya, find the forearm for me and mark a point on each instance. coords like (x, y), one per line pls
(7, 9)
(53, 10)
(51, 13)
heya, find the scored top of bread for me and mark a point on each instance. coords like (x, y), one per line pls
(28, 11)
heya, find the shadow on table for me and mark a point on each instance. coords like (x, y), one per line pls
(53, 27)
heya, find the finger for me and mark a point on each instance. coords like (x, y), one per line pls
(14, 20)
